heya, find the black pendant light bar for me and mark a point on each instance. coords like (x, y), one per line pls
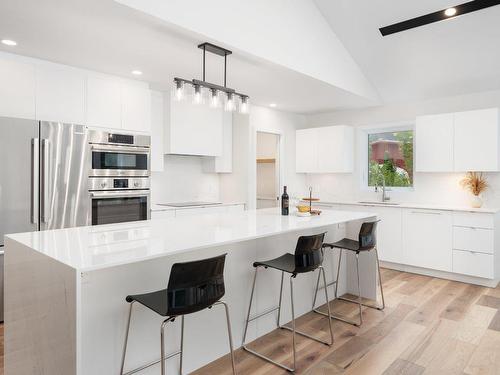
(214, 88)
(440, 15)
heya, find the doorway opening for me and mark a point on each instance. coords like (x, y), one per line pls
(268, 169)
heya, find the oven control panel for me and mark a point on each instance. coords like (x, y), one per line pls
(118, 183)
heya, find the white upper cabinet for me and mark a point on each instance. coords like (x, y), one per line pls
(136, 107)
(325, 150)
(60, 94)
(458, 142)
(194, 129)
(104, 104)
(434, 139)
(17, 89)
(306, 152)
(157, 131)
(477, 141)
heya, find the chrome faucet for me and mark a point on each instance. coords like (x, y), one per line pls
(385, 196)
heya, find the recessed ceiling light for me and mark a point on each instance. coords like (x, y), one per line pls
(450, 12)
(9, 42)
(272, 105)
(136, 72)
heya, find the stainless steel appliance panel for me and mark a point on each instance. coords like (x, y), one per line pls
(18, 176)
(113, 160)
(64, 163)
(107, 138)
(118, 183)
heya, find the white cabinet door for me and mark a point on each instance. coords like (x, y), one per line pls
(306, 150)
(477, 141)
(194, 129)
(136, 107)
(427, 239)
(157, 131)
(434, 143)
(335, 145)
(223, 163)
(17, 89)
(60, 95)
(104, 104)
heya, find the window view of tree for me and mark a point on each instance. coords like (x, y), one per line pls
(390, 159)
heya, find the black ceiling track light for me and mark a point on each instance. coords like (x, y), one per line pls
(440, 15)
(217, 94)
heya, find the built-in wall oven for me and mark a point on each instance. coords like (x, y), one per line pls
(119, 185)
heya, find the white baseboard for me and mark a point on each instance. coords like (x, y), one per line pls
(441, 274)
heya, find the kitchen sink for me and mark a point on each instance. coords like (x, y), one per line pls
(381, 203)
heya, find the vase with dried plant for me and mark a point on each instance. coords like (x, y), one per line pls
(476, 183)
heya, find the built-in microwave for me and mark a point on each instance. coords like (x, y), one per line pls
(119, 154)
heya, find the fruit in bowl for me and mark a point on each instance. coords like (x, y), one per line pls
(302, 208)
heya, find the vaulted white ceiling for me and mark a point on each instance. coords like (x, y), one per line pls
(452, 57)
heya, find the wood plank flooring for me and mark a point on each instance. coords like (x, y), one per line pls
(429, 326)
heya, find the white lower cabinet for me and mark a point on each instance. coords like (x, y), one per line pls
(473, 239)
(427, 238)
(180, 212)
(473, 264)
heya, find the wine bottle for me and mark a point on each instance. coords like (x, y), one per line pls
(284, 202)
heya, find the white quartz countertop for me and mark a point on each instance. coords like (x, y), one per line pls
(103, 246)
(160, 207)
(422, 206)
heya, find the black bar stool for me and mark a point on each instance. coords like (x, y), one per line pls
(307, 258)
(366, 242)
(192, 287)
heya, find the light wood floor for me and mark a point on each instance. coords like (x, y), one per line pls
(429, 326)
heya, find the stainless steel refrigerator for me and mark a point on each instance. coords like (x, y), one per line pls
(43, 178)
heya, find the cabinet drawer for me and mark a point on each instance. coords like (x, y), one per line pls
(473, 264)
(473, 239)
(469, 219)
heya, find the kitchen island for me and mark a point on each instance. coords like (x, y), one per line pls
(65, 289)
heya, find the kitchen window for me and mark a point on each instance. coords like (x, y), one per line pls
(390, 158)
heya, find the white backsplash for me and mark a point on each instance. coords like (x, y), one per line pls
(183, 180)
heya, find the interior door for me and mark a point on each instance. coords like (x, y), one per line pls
(64, 170)
(18, 176)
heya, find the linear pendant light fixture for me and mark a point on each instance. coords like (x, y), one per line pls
(218, 95)
(440, 15)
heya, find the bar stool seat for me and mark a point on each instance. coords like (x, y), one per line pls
(285, 263)
(346, 244)
(156, 301)
(192, 287)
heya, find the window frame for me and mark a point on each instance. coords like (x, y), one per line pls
(363, 134)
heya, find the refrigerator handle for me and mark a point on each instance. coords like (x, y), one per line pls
(35, 149)
(45, 181)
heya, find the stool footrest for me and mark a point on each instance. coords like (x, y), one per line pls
(307, 335)
(152, 363)
(338, 317)
(289, 369)
(371, 306)
(272, 309)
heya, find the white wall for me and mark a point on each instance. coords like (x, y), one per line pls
(428, 187)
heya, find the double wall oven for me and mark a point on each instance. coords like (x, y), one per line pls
(119, 185)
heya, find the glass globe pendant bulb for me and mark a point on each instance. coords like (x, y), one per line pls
(198, 98)
(244, 104)
(179, 90)
(229, 103)
(214, 98)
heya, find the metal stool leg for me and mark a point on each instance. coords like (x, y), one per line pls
(380, 282)
(293, 324)
(230, 334)
(360, 303)
(126, 337)
(182, 344)
(249, 309)
(162, 347)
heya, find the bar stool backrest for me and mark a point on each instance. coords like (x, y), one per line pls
(308, 252)
(194, 286)
(368, 236)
